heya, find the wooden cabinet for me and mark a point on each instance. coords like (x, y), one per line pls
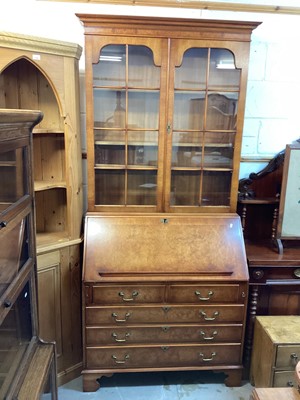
(276, 351)
(27, 363)
(37, 73)
(163, 292)
(274, 277)
(165, 108)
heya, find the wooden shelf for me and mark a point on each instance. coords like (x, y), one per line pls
(47, 185)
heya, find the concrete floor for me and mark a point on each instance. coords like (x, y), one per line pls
(158, 386)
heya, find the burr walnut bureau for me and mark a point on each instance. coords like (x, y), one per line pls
(163, 292)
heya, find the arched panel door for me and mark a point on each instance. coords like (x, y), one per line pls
(203, 106)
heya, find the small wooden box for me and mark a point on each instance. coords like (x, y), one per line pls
(276, 351)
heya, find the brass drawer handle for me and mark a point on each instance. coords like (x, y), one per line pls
(210, 294)
(215, 315)
(202, 333)
(115, 358)
(115, 316)
(165, 348)
(213, 354)
(115, 336)
(134, 294)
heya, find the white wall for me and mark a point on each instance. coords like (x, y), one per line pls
(272, 105)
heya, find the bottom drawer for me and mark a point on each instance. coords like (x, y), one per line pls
(284, 379)
(162, 356)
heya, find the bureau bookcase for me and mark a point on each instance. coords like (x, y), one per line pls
(165, 281)
(42, 74)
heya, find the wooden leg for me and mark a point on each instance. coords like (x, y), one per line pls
(252, 311)
(234, 377)
(90, 381)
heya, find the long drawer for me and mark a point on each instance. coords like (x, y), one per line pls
(163, 334)
(155, 356)
(138, 294)
(95, 315)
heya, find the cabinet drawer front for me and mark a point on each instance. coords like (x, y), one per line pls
(204, 293)
(287, 356)
(284, 379)
(164, 334)
(162, 356)
(128, 294)
(96, 315)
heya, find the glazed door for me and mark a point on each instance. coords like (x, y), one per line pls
(202, 127)
(127, 123)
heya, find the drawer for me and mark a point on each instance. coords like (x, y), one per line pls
(162, 356)
(284, 379)
(205, 293)
(98, 315)
(124, 294)
(287, 356)
(163, 334)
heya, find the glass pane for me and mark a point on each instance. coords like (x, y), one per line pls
(109, 187)
(142, 187)
(143, 109)
(218, 149)
(15, 335)
(188, 110)
(142, 148)
(221, 111)
(109, 154)
(109, 136)
(12, 180)
(141, 69)
(109, 108)
(185, 188)
(186, 146)
(222, 72)
(110, 70)
(216, 188)
(192, 72)
(11, 259)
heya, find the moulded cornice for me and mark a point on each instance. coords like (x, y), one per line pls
(39, 44)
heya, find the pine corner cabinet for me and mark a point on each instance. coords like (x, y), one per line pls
(27, 363)
(42, 74)
(165, 107)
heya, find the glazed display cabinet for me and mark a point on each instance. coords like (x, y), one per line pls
(42, 74)
(27, 364)
(165, 110)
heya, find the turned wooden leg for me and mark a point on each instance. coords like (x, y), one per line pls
(90, 381)
(252, 311)
(234, 377)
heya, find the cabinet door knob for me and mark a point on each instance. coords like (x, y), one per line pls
(7, 303)
(3, 224)
(209, 295)
(133, 295)
(294, 358)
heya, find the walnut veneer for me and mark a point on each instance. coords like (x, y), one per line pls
(163, 292)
